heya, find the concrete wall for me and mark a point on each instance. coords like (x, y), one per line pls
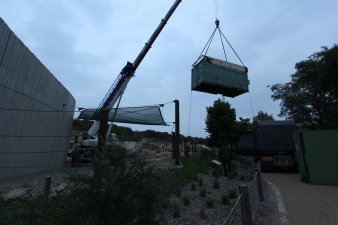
(34, 127)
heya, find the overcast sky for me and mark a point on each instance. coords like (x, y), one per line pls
(86, 43)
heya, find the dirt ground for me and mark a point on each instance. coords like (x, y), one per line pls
(305, 204)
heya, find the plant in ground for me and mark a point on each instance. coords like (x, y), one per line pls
(186, 201)
(196, 178)
(232, 174)
(242, 177)
(232, 194)
(225, 199)
(210, 202)
(178, 193)
(176, 210)
(203, 214)
(203, 192)
(193, 187)
(216, 184)
(200, 182)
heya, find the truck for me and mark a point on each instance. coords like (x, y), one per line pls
(272, 143)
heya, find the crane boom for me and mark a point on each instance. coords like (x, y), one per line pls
(122, 80)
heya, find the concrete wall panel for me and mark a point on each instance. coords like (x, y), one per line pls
(34, 127)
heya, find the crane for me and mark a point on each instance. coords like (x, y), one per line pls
(117, 89)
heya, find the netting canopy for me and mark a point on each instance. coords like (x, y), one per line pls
(146, 115)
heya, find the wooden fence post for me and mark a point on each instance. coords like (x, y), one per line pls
(245, 205)
(259, 182)
(48, 181)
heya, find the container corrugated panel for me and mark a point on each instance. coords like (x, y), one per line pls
(219, 77)
(319, 156)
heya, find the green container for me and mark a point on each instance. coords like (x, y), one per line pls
(219, 77)
(317, 153)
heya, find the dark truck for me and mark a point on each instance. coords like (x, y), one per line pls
(272, 143)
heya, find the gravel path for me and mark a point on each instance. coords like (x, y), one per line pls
(306, 204)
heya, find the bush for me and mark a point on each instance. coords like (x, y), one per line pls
(176, 210)
(208, 154)
(193, 187)
(232, 174)
(178, 193)
(242, 177)
(203, 214)
(225, 199)
(210, 202)
(217, 171)
(216, 184)
(232, 194)
(196, 178)
(186, 201)
(200, 182)
(203, 192)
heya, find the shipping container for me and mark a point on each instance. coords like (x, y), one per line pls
(215, 76)
(317, 152)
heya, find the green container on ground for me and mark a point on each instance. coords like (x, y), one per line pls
(317, 153)
(215, 76)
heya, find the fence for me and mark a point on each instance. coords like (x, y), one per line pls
(245, 208)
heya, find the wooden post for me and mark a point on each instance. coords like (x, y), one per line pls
(245, 205)
(48, 181)
(177, 132)
(259, 182)
(102, 130)
(173, 143)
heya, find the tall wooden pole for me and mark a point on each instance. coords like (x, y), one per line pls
(177, 132)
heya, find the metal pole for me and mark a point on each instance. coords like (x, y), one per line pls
(245, 205)
(48, 181)
(103, 130)
(259, 182)
(177, 132)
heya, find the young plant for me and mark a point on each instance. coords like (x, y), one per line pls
(200, 182)
(203, 214)
(176, 210)
(225, 199)
(192, 187)
(203, 192)
(232, 194)
(186, 201)
(216, 184)
(210, 202)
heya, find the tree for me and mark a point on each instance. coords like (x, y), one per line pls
(221, 123)
(311, 97)
(263, 116)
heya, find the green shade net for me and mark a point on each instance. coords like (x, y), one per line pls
(146, 115)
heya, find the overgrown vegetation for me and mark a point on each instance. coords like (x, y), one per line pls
(203, 192)
(225, 199)
(203, 214)
(232, 194)
(186, 201)
(210, 202)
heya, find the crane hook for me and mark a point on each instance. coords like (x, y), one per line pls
(217, 23)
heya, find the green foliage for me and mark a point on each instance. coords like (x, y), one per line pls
(216, 184)
(176, 210)
(311, 97)
(82, 125)
(242, 177)
(196, 178)
(221, 124)
(186, 201)
(208, 154)
(225, 199)
(210, 202)
(192, 187)
(203, 214)
(200, 182)
(203, 192)
(263, 116)
(232, 175)
(232, 193)
(178, 193)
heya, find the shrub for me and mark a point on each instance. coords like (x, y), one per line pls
(232, 174)
(232, 194)
(196, 178)
(178, 193)
(216, 184)
(193, 187)
(217, 171)
(186, 201)
(225, 199)
(208, 154)
(176, 210)
(200, 182)
(203, 214)
(210, 202)
(203, 192)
